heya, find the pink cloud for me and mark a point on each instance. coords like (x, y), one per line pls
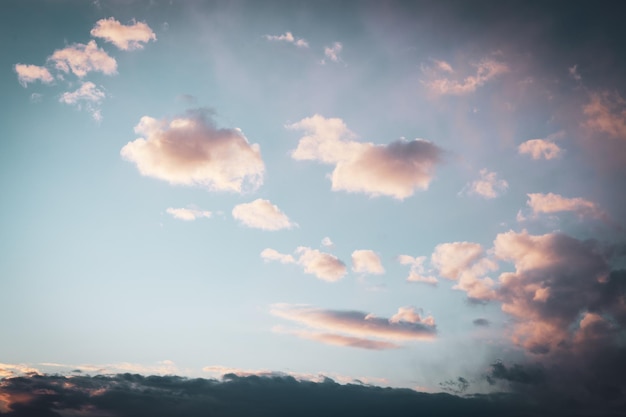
(262, 214)
(192, 151)
(340, 340)
(188, 214)
(441, 84)
(367, 261)
(81, 59)
(540, 148)
(488, 185)
(555, 203)
(606, 113)
(332, 52)
(417, 272)
(31, 73)
(269, 254)
(323, 265)
(125, 37)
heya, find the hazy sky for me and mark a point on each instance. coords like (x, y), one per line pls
(423, 195)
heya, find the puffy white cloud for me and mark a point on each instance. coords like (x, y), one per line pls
(355, 328)
(81, 59)
(31, 73)
(540, 148)
(332, 52)
(289, 38)
(270, 254)
(555, 203)
(440, 83)
(86, 92)
(188, 214)
(125, 37)
(418, 271)
(327, 242)
(488, 185)
(396, 169)
(323, 265)
(192, 151)
(367, 261)
(262, 214)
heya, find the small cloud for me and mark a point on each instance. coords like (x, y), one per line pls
(87, 92)
(31, 73)
(488, 185)
(440, 83)
(573, 72)
(555, 203)
(606, 113)
(418, 271)
(289, 38)
(323, 265)
(366, 261)
(36, 98)
(188, 214)
(125, 37)
(326, 242)
(270, 254)
(190, 150)
(481, 322)
(262, 214)
(332, 52)
(540, 148)
(81, 59)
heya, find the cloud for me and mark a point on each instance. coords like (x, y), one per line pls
(289, 38)
(339, 340)
(326, 242)
(262, 214)
(488, 186)
(125, 37)
(270, 254)
(190, 150)
(406, 325)
(31, 73)
(555, 203)
(332, 52)
(481, 322)
(606, 113)
(540, 148)
(188, 214)
(86, 92)
(417, 273)
(396, 169)
(573, 72)
(325, 266)
(366, 261)
(81, 59)
(439, 83)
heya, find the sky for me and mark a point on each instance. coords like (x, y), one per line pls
(378, 206)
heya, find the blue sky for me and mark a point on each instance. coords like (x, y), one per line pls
(403, 193)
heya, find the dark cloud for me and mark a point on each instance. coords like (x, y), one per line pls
(481, 322)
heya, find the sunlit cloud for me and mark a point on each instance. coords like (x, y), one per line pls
(324, 266)
(488, 185)
(326, 242)
(81, 59)
(188, 214)
(606, 113)
(367, 261)
(439, 82)
(397, 169)
(542, 148)
(269, 254)
(418, 270)
(262, 214)
(125, 37)
(30, 73)
(87, 92)
(338, 339)
(555, 203)
(289, 38)
(190, 150)
(332, 52)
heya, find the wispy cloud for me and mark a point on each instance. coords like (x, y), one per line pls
(439, 79)
(289, 38)
(31, 73)
(269, 254)
(125, 37)
(333, 52)
(396, 169)
(324, 266)
(367, 261)
(262, 214)
(81, 59)
(488, 185)
(555, 203)
(190, 150)
(188, 214)
(606, 113)
(418, 271)
(87, 95)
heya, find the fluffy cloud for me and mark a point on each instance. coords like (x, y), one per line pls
(192, 151)
(31, 73)
(81, 59)
(396, 169)
(366, 261)
(555, 203)
(407, 324)
(332, 52)
(86, 92)
(262, 214)
(440, 83)
(417, 273)
(270, 254)
(323, 265)
(125, 37)
(540, 148)
(327, 242)
(488, 185)
(289, 38)
(188, 214)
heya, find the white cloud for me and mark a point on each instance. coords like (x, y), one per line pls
(540, 148)
(327, 242)
(188, 214)
(332, 52)
(418, 271)
(555, 203)
(125, 37)
(367, 261)
(289, 38)
(31, 73)
(440, 83)
(270, 254)
(323, 265)
(396, 169)
(488, 186)
(192, 151)
(262, 214)
(86, 92)
(81, 59)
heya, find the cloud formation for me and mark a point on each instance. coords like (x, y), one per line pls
(540, 148)
(488, 185)
(81, 59)
(323, 265)
(190, 150)
(406, 325)
(188, 214)
(397, 169)
(289, 38)
(269, 254)
(86, 92)
(262, 214)
(555, 203)
(606, 113)
(418, 271)
(332, 52)
(31, 73)
(440, 81)
(367, 261)
(125, 37)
